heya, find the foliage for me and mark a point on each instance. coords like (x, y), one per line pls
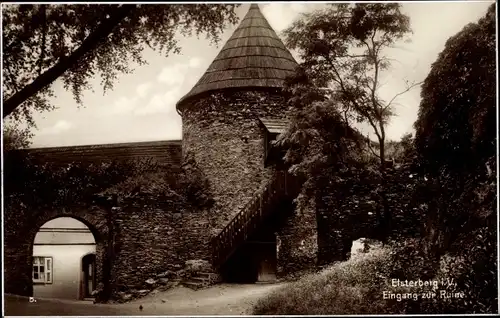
(409, 261)
(343, 52)
(462, 224)
(456, 120)
(357, 286)
(457, 112)
(454, 152)
(475, 272)
(472, 271)
(30, 182)
(320, 144)
(401, 151)
(333, 159)
(188, 186)
(34, 184)
(194, 185)
(76, 42)
(15, 138)
(146, 178)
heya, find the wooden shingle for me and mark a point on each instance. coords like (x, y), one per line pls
(253, 57)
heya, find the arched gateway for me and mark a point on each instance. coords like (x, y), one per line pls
(64, 260)
(28, 247)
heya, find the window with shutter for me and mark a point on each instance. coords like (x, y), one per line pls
(42, 270)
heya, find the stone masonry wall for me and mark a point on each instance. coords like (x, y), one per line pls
(223, 133)
(155, 237)
(349, 210)
(297, 243)
(345, 213)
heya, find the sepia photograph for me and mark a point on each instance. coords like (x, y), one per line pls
(251, 158)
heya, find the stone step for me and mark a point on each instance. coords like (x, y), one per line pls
(199, 279)
(205, 274)
(193, 285)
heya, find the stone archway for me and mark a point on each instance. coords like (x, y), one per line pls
(58, 249)
(21, 226)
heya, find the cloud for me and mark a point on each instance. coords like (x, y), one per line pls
(280, 16)
(172, 75)
(122, 105)
(59, 127)
(176, 74)
(143, 89)
(161, 103)
(195, 62)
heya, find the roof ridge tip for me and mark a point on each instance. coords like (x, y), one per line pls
(231, 70)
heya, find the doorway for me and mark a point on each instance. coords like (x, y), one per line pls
(266, 258)
(88, 275)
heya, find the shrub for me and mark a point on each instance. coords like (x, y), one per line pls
(194, 185)
(408, 260)
(472, 272)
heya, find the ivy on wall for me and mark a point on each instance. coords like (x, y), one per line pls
(32, 183)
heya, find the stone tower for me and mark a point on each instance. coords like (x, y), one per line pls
(222, 114)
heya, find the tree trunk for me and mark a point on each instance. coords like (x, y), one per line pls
(385, 224)
(53, 73)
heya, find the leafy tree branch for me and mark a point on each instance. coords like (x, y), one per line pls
(76, 43)
(66, 62)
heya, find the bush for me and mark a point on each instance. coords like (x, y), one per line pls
(408, 260)
(468, 275)
(33, 183)
(194, 185)
(473, 272)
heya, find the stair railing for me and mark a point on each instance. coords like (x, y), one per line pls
(245, 222)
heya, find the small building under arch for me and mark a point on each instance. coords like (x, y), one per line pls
(64, 260)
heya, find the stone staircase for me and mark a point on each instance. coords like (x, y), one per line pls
(200, 280)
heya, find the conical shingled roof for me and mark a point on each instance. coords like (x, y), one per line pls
(254, 56)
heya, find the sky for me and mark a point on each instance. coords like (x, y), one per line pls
(141, 106)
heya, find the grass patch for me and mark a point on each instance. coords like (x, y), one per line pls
(351, 287)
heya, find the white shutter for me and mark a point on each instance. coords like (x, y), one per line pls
(48, 270)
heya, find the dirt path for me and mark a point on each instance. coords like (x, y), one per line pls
(217, 300)
(222, 299)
